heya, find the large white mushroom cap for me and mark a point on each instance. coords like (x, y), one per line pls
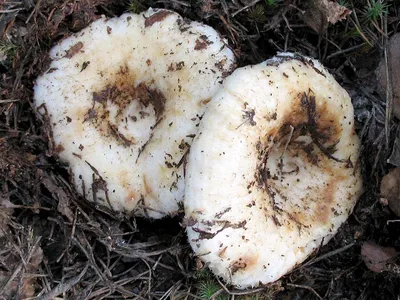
(124, 98)
(273, 172)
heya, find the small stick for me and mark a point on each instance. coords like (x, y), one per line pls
(63, 287)
(329, 254)
(245, 7)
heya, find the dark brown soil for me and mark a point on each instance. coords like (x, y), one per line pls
(52, 243)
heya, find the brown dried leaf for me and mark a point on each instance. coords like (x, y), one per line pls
(320, 13)
(390, 190)
(336, 12)
(61, 195)
(376, 257)
(27, 289)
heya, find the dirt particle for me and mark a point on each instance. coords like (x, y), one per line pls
(59, 148)
(202, 43)
(74, 50)
(157, 17)
(206, 101)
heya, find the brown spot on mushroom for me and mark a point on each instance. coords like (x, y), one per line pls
(221, 253)
(148, 96)
(130, 197)
(121, 92)
(171, 68)
(244, 263)
(317, 121)
(323, 209)
(73, 50)
(202, 43)
(306, 117)
(157, 17)
(206, 101)
(220, 65)
(59, 148)
(176, 66)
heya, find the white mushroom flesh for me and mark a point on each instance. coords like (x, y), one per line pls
(273, 172)
(124, 98)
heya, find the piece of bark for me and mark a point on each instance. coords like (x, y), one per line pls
(394, 72)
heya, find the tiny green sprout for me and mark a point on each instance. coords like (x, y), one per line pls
(272, 2)
(8, 50)
(204, 274)
(135, 6)
(208, 288)
(344, 3)
(376, 9)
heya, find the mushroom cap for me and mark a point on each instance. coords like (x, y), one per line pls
(273, 172)
(124, 98)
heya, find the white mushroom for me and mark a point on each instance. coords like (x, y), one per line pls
(124, 98)
(273, 172)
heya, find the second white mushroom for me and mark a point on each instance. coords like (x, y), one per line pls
(273, 172)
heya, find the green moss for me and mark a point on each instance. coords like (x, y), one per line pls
(208, 288)
(7, 49)
(376, 9)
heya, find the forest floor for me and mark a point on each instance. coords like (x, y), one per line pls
(54, 245)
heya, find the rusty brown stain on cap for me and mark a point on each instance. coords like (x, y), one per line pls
(323, 210)
(59, 148)
(244, 263)
(130, 197)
